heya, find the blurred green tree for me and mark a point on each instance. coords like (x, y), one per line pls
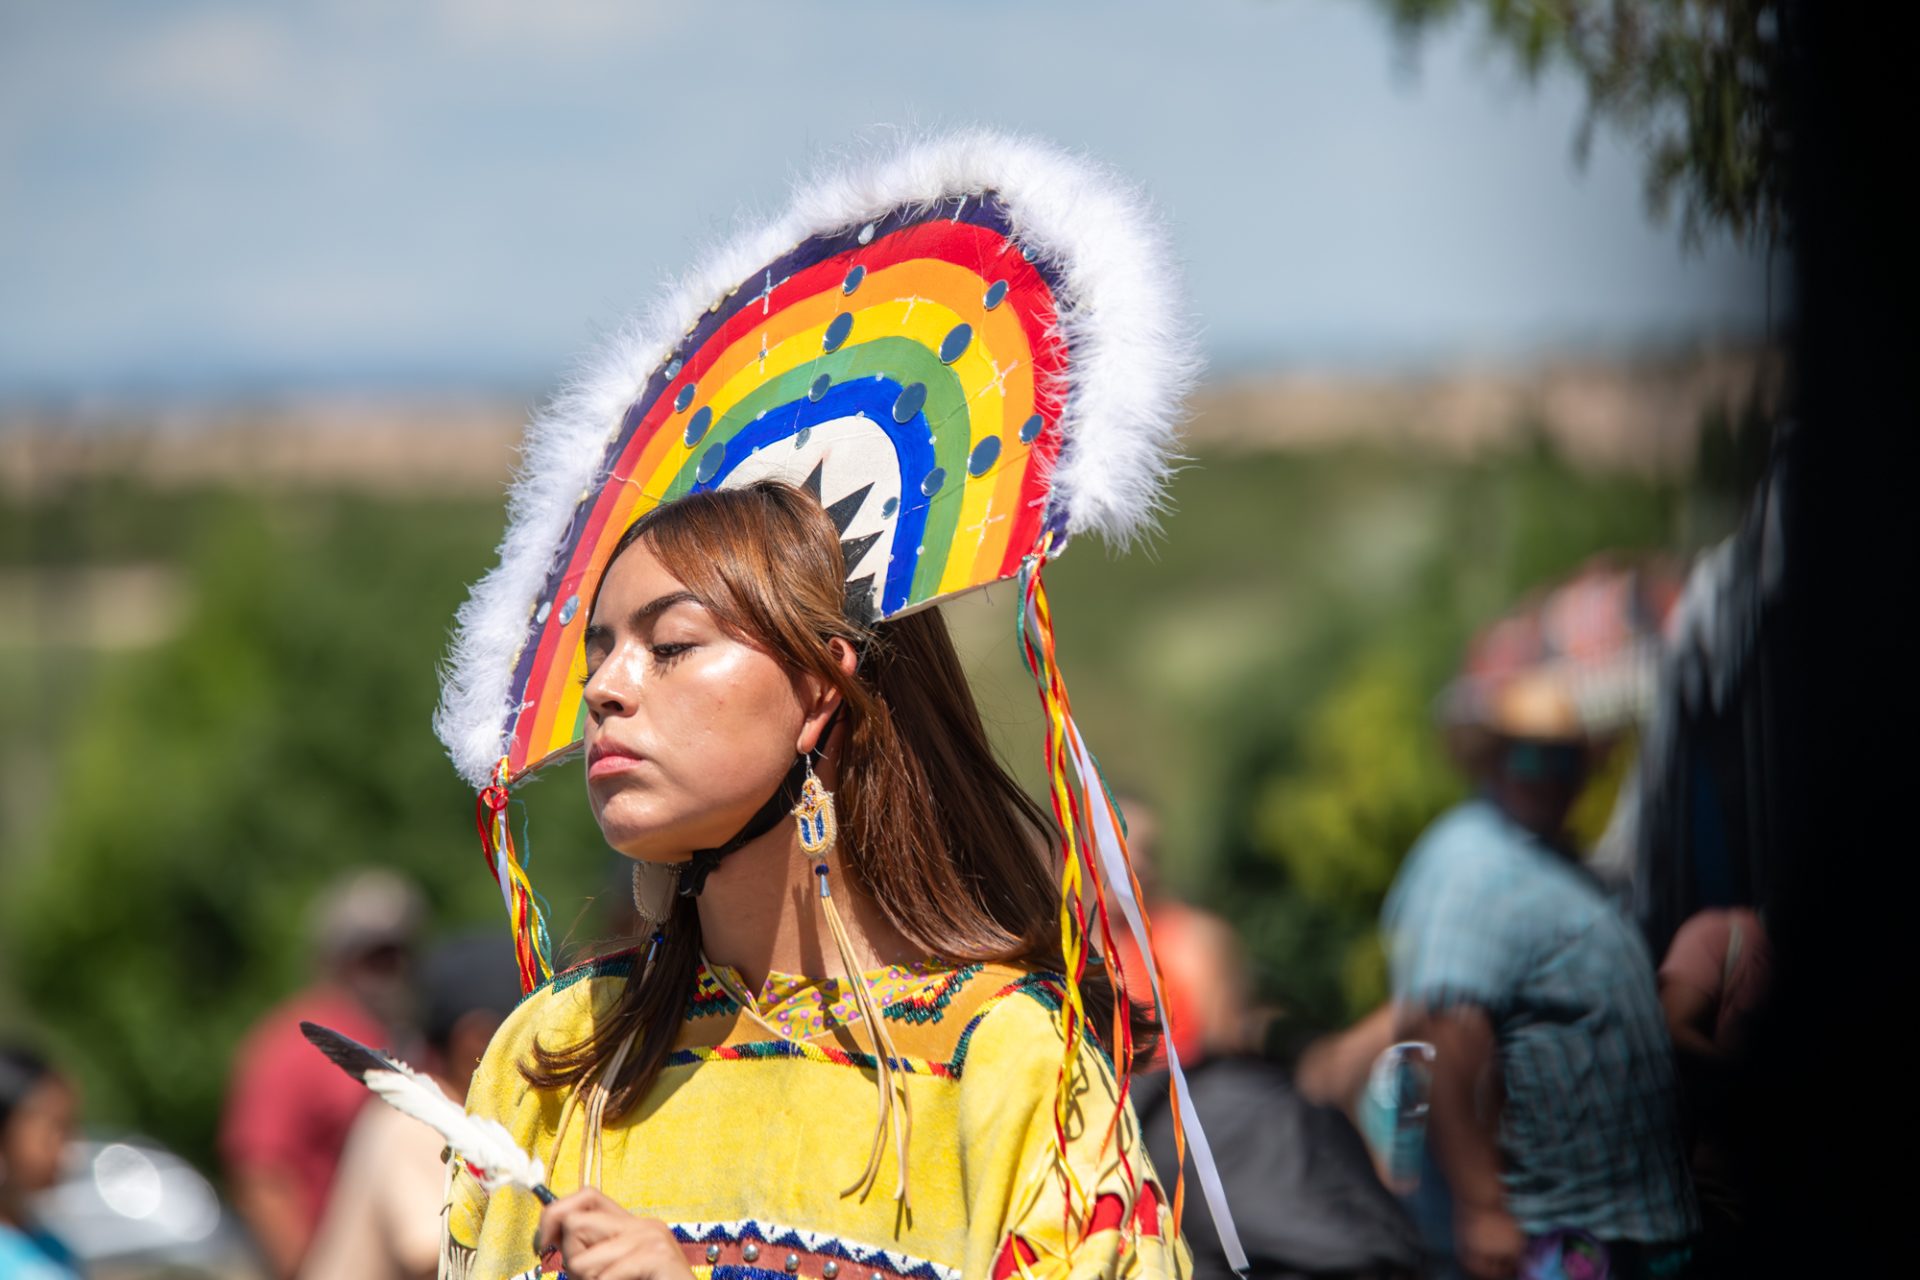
(1368, 781)
(208, 787)
(1694, 82)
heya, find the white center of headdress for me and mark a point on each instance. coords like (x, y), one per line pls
(849, 464)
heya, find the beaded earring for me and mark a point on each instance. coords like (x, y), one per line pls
(819, 833)
(819, 828)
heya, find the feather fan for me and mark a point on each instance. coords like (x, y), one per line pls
(487, 1149)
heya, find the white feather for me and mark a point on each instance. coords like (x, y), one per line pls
(484, 1144)
(1121, 313)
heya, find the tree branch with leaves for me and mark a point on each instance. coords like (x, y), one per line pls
(1693, 83)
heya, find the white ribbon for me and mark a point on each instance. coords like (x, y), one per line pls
(502, 876)
(1108, 844)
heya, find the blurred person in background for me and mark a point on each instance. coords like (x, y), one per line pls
(1713, 981)
(1297, 1176)
(1203, 970)
(288, 1108)
(37, 1113)
(383, 1216)
(1553, 1114)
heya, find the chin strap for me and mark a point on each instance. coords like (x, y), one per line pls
(779, 806)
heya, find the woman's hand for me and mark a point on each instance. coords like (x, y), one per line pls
(598, 1240)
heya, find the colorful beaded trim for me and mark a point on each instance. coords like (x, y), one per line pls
(803, 1007)
(925, 1007)
(774, 1238)
(1044, 988)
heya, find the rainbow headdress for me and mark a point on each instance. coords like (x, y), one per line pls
(970, 350)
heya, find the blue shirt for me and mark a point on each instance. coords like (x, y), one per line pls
(1484, 914)
(34, 1256)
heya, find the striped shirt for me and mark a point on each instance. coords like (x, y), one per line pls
(1484, 914)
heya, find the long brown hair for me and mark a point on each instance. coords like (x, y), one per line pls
(932, 827)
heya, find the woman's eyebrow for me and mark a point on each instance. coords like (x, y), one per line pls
(601, 632)
(654, 608)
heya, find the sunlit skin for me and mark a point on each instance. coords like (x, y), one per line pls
(689, 730)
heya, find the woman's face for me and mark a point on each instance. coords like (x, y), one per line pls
(688, 729)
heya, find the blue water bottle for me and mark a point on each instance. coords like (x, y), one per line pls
(1393, 1112)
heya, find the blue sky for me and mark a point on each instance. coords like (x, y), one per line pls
(463, 193)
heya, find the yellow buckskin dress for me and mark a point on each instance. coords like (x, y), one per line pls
(746, 1143)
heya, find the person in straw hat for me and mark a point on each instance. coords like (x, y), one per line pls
(1552, 1118)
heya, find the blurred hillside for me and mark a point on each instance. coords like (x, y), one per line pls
(1643, 415)
(219, 629)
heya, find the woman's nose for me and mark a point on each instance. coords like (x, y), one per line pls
(611, 689)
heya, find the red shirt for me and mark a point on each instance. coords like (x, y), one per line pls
(1172, 941)
(289, 1108)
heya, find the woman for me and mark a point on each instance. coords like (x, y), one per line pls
(37, 1107)
(712, 1107)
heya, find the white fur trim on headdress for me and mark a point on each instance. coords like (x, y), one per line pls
(1132, 360)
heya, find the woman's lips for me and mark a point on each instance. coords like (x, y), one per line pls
(605, 766)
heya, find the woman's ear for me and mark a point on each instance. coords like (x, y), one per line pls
(842, 651)
(823, 698)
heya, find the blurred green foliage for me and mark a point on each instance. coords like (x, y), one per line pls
(205, 789)
(1263, 675)
(1367, 782)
